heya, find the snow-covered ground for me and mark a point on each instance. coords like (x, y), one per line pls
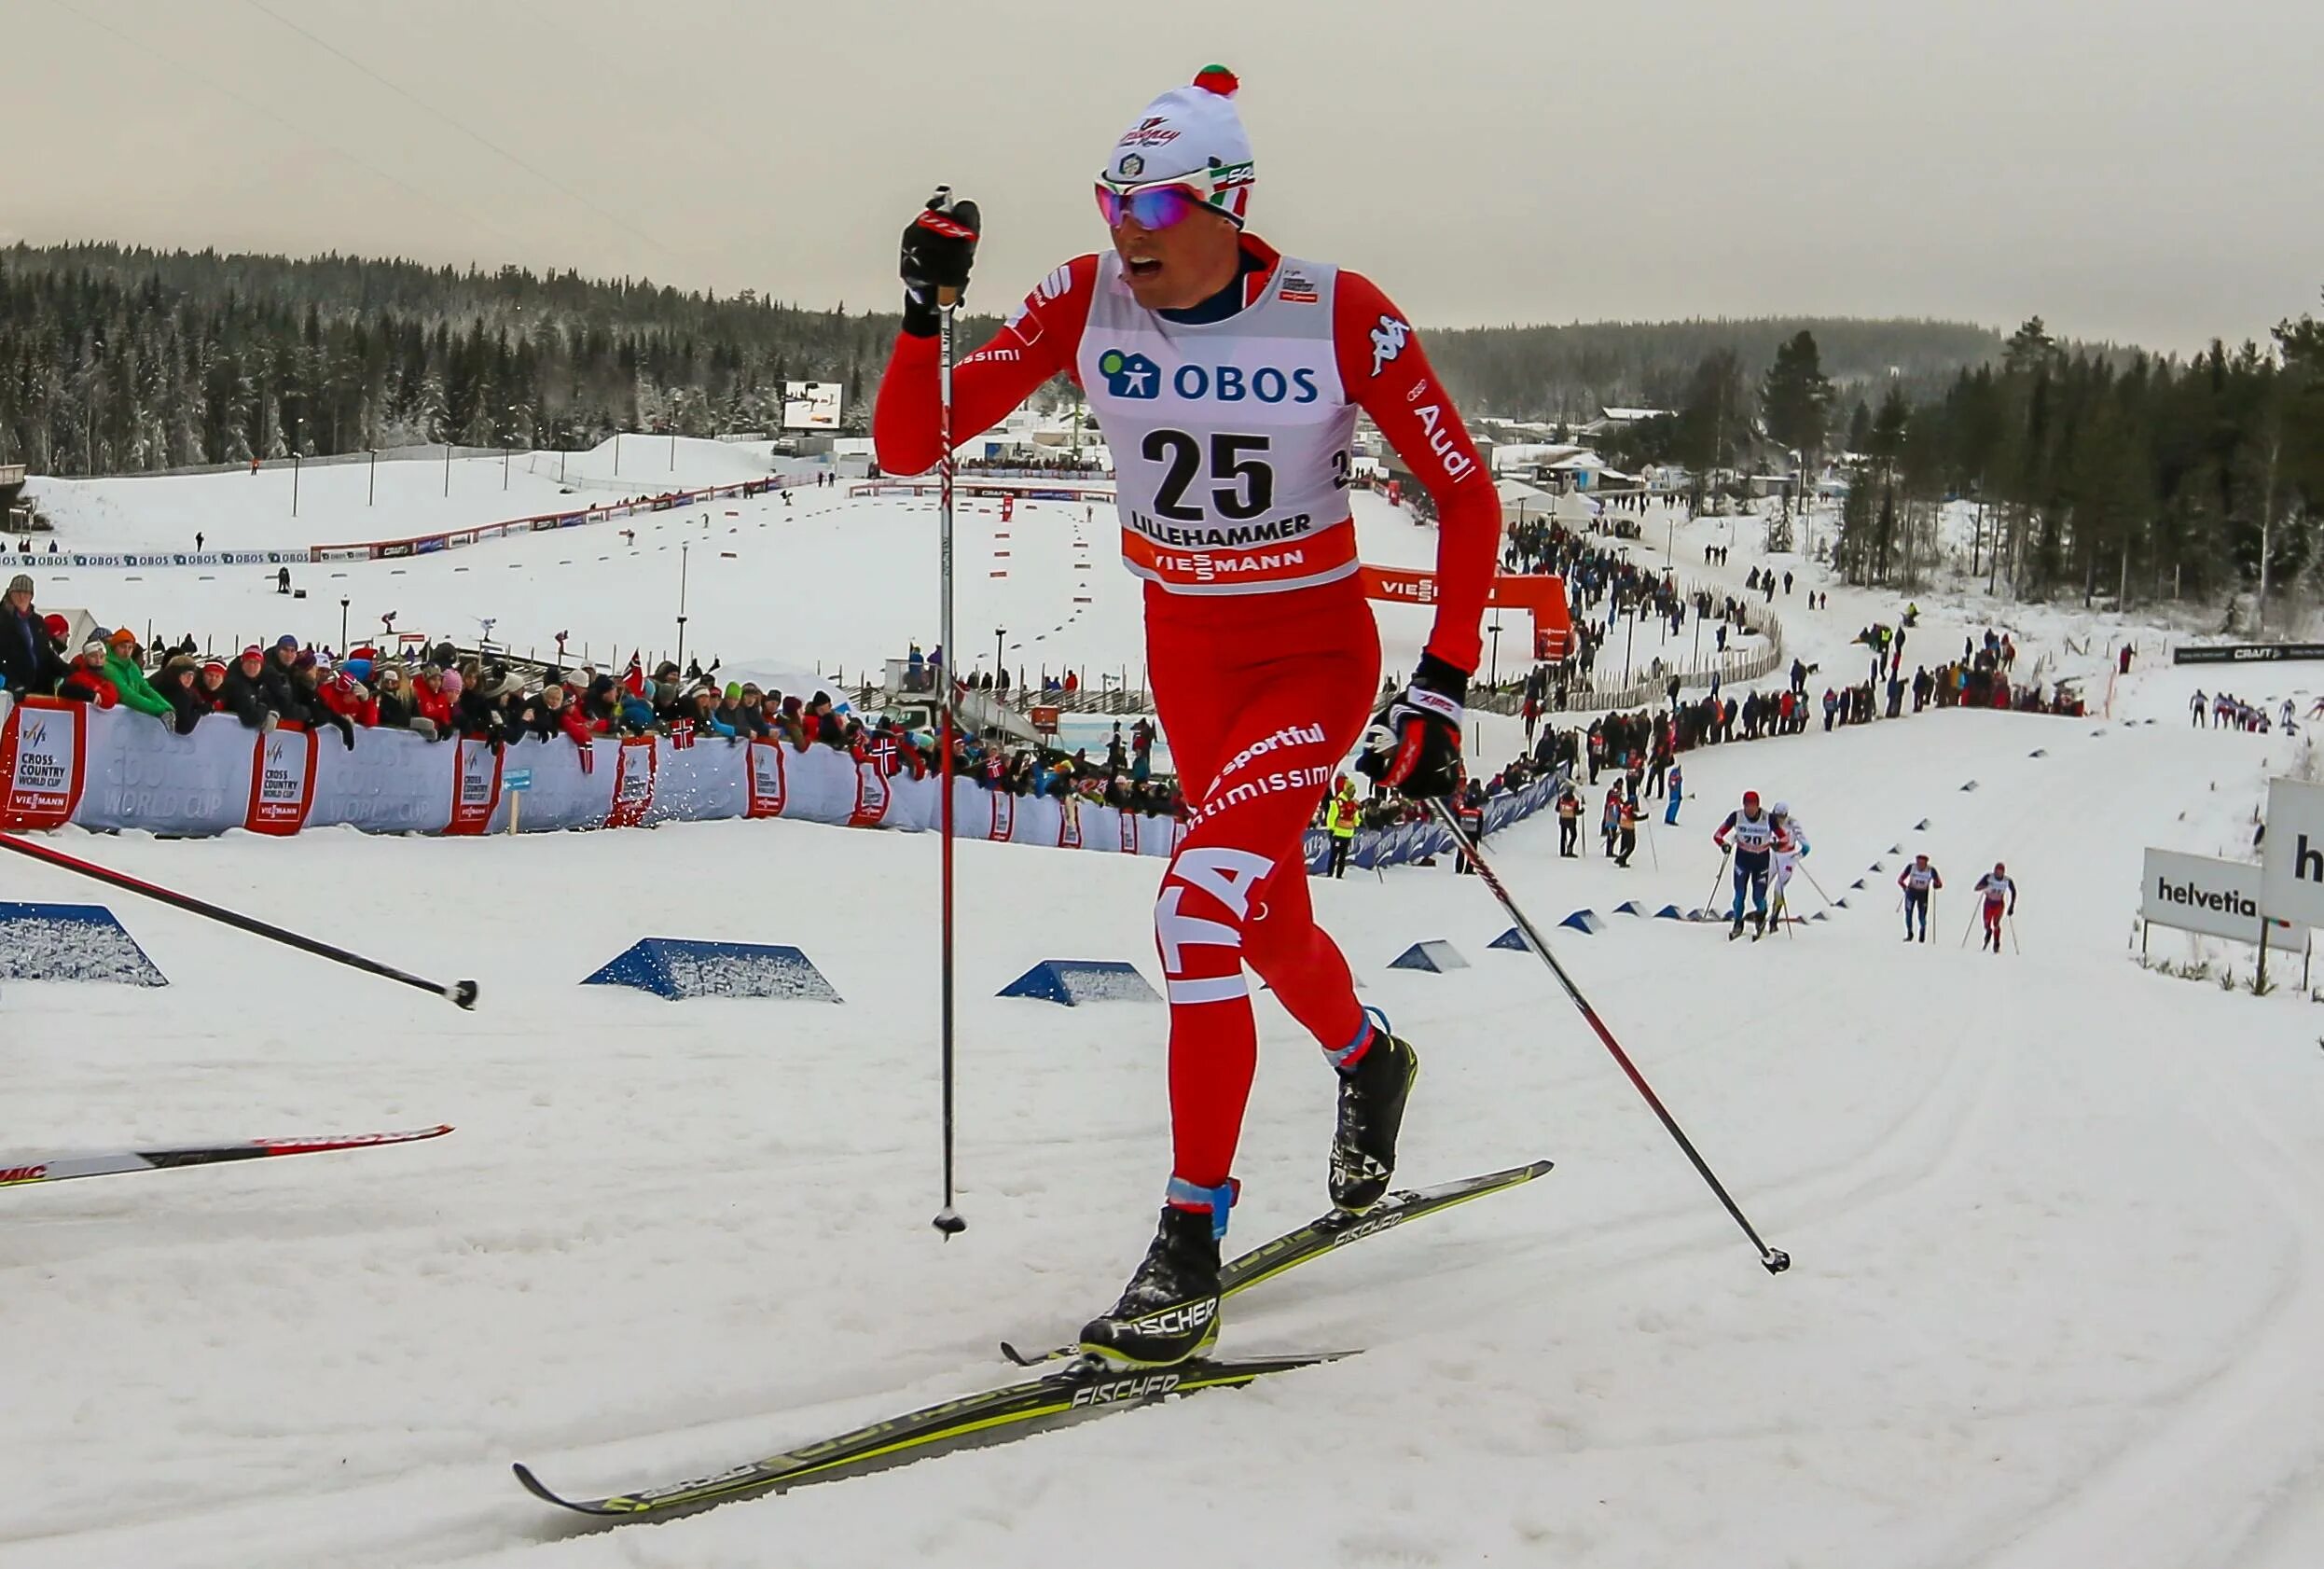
(2057, 1224)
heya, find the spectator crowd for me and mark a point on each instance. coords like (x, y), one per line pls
(442, 693)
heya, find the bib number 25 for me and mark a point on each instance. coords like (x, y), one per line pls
(1245, 481)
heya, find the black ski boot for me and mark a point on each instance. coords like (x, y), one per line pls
(1169, 1313)
(1371, 1110)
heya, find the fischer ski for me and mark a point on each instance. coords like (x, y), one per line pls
(1327, 1233)
(17, 1170)
(1084, 1389)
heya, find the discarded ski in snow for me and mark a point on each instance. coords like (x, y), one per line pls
(17, 1170)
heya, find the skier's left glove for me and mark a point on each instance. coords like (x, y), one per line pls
(940, 247)
(1413, 744)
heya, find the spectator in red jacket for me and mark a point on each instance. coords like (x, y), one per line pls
(348, 698)
(86, 680)
(432, 693)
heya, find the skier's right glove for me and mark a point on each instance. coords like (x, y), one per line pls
(1414, 741)
(940, 247)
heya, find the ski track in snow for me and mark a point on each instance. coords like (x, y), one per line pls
(2054, 1223)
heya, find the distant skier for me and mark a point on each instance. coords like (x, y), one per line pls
(1791, 844)
(2196, 706)
(1677, 782)
(1751, 835)
(1918, 880)
(1629, 823)
(1568, 821)
(2000, 898)
(1609, 821)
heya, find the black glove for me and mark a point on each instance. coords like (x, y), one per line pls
(940, 247)
(1414, 741)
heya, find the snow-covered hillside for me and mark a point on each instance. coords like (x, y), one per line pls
(2056, 1224)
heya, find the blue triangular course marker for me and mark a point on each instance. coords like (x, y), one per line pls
(1855, 885)
(1075, 982)
(1433, 957)
(1921, 826)
(1510, 939)
(1970, 785)
(681, 968)
(1840, 903)
(1821, 915)
(1895, 849)
(1669, 912)
(1584, 920)
(71, 942)
(1629, 906)
(2038, 752)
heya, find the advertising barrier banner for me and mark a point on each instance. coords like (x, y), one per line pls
(2244, 653)
(42, 756)
(118, 769)
(633, 783)
(475, 786)
(282, 780)
(2203, 894)
(767, 786)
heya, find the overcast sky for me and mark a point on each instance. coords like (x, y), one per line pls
(2128, 168)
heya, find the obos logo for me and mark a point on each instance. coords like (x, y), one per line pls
(1129, 375)
(1134, 376)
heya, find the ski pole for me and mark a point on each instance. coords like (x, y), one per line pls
(1775, 1260)
(2013, 947)
(1718, 879)
(1813, 883)
(462, 992)
(1972, 921)
(947, 1221)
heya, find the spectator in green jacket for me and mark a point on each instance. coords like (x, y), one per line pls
(129, 677)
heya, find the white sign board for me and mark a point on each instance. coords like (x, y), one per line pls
(811, 405)
(2203, 894)
(2293, 888)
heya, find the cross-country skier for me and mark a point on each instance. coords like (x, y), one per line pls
(1918, 880)
(1227, 380)
(1787, 860)
(1754, 838)
(1999, 892)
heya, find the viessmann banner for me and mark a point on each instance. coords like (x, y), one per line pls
(2203, 894)
(2244, 653)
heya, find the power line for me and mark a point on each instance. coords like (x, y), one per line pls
(624, 225)
(179, 66)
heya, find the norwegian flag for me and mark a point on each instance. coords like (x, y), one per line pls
(633, 679)
(682, 735)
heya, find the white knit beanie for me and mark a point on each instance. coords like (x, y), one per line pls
(1191, 136)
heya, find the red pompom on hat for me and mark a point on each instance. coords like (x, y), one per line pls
(1218, 79)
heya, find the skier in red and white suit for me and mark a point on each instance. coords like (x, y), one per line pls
(1227, 379)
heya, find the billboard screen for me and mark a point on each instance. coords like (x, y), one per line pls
(811, 405)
